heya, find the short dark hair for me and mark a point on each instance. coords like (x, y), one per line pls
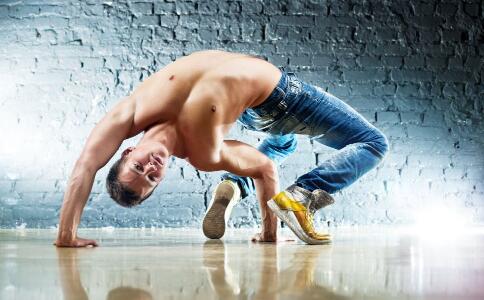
(119, 192)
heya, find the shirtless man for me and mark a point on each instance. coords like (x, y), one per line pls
(188, 107)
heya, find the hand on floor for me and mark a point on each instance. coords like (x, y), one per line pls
(262, 238)
(76, 243)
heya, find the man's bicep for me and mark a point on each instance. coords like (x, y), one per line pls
(106, 137)
(243, 160)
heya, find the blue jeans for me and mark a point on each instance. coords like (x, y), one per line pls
(296, 107)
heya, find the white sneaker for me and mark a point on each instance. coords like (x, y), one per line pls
(226, 195)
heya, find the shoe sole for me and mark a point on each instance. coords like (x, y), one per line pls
(221, 206)
(287, 217)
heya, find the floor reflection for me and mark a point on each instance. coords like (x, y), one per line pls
(72, 288)
(70, 278)
(126, 292)
(181, 264)
(297, 280)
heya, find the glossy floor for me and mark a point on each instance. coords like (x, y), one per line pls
(361, 263)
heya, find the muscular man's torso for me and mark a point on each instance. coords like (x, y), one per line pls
(202, 95)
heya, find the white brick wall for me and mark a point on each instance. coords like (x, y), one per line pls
(63, 64)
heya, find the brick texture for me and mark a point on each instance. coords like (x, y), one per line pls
(413, 68)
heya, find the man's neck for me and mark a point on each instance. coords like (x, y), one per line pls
(167, 135)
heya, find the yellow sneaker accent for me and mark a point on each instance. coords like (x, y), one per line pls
(297, 217)
(284, 201)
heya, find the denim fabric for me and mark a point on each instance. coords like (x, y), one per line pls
(296, 107)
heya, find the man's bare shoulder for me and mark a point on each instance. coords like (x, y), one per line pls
(213, 52)
(123, 112)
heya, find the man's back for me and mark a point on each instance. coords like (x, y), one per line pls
(237, 81)
(202, 95)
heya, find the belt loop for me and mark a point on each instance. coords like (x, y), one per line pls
(282, 105)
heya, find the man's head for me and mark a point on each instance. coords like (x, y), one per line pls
(136, 174)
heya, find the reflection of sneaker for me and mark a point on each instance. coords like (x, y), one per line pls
(226, 195)
(220, 276)
(296, 207)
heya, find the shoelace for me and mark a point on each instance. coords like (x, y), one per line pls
(309, 212)
(310, 218)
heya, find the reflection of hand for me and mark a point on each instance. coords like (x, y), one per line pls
(76, 243)
(126, 292)
(70, 277)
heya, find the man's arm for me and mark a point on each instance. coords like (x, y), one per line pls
(244, 160)
(103, 142)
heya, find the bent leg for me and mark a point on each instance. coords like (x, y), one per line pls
(277, 148)
(347, 165)
(361, 145)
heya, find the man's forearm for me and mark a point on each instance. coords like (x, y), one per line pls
(244, 160)
(75, 198)
(267, 187)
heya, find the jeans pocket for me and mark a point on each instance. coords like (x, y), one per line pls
(303, 128)
(290, 124)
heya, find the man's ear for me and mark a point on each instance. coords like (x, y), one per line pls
(127, 151)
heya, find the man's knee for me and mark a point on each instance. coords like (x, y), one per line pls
(381, 144)
(286, 143)
(290, 143)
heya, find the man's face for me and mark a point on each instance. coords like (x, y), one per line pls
(143, 169)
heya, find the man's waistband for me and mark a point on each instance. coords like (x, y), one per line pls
(276, 98)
